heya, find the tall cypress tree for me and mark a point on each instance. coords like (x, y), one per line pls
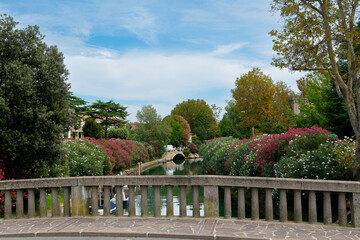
(33, 105)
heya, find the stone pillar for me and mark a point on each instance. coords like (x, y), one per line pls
(157, 201)
(43, 210)
(66, 191)
(283, 206)
(211, 201)
(79, 201)
(132, 201)
(182, 201)
(8, 205)
(227, 202)
(107, 200)
(31, 203)
(342, 209)
(196, 203)
(55, 211)
(312, 207)
(327, 208)
(19, 203)
(355, 203)
(241, 203)
(269, 212)
(119, 201)
(169, 201)
(254, 204)
(297, 206)
(94, 201)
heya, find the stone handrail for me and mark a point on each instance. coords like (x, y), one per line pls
(76, 191)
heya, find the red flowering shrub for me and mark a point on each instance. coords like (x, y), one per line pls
(122, 153)
(193, 148)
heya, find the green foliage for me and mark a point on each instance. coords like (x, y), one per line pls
(86, 159)
(122, 133)
(152, 130)
(33, 101)
(109, 113)
(92, 129)
(200, 117)
(177, 133)
(186, 152)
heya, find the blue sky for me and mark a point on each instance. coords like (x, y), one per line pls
(158, 52)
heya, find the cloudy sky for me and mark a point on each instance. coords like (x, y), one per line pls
(158, 52)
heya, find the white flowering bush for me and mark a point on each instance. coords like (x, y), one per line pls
(86, 159)
(322, 162)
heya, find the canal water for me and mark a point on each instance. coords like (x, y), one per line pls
(175, 167)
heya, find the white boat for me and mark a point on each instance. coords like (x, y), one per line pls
(125, 197)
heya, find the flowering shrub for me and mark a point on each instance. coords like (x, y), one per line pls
(296, 147)
(122, 153)
(193, 148)
(319, 163)
(215, 153)
(86, 159)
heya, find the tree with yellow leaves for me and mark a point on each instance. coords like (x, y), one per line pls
(258, 99)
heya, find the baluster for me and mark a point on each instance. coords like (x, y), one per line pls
(227, 202)
(327, 208)
(297, 206)
(342, 209)
(43, 210)
(254, 204)
(19, 203)
(283, 206)
(312, 207)
(269, 212)
(119, 201)
(54, 202)
(241, 203)
(169, 201)
(131, 201)
(66, 191)
(182, 201)
(157, 203)
(196, 203)
(95, 201)
(31, 203)
(8, 205)
(355, 209)
(106, 200)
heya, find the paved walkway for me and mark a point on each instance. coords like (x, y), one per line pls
(180, 228)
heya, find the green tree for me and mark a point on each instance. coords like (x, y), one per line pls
(316, 35)
(177, 133)
(33, 106)
(78, 108)
(109, 113)
(151, 128)
(199, 116)
(186, 129)
(122, 133)
(92, 129)
(323, 107)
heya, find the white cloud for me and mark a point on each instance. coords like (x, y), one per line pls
(225, 49)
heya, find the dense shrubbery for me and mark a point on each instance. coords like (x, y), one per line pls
(298, 153)
(122, 153)
(122, 133)
(193, 148)
(86, 159)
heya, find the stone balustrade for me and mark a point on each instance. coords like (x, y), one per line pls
(80, 192)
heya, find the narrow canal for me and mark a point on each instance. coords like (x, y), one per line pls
(176, 167)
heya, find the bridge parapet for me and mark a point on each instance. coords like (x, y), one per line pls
(80, 187)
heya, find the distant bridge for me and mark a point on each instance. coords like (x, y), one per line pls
(171, 155)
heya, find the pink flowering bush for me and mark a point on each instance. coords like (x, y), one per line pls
(193, 148)
(122, 153)
(261, 155)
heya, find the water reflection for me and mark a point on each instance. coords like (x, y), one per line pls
(184, 167)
